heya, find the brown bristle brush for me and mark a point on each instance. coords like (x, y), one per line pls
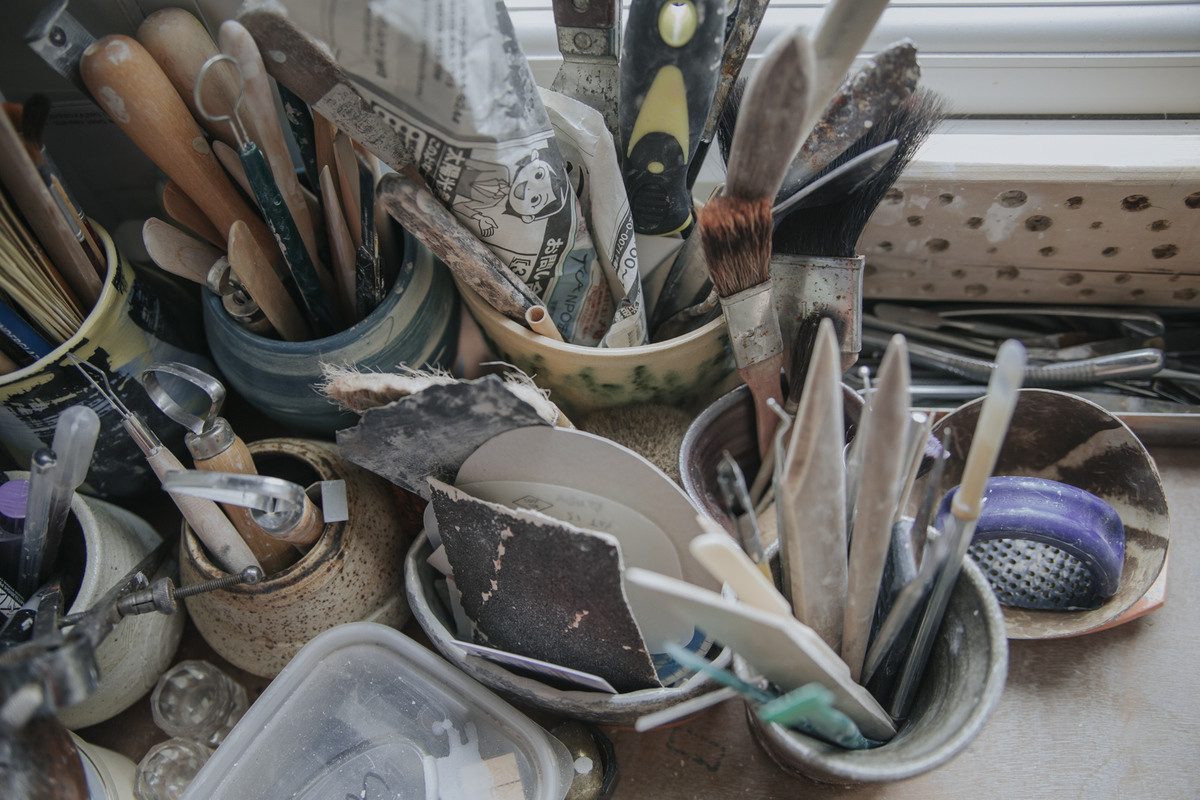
(735, 228)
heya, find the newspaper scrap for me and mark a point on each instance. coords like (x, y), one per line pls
(450, 77)
(591, 158)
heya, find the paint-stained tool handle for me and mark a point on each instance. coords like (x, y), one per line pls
(407, 199)
(291, 243)
(741, 27)
(133, 90)
(266, 130)
(670, 65)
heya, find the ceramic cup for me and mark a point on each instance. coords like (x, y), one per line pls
(110, 541)
(685, 371)
(962, 685)
(140, 317)
(1062, 437)
(352, 573)
(415, 325)
(728, 424)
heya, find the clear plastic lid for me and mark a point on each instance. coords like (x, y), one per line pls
(364, 711)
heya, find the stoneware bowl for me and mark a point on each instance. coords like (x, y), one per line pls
(415, 325)
(962, 685)
(1062, 437)
(685, 371)
(140, 317)
(103, 542)
(352, 573)
(599, 708)
(728, 424)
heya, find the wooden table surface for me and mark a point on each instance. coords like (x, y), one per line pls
(1107, 715)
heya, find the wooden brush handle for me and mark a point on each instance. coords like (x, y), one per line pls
(274, 554)
(406, 198)
(205, 517)
(133, 89)
(254, 270)
(308, 529)
(180, 44)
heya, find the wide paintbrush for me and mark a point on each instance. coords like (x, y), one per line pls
(735, 227)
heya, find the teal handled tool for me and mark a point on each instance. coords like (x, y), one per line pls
(313, 296)
(670, 63)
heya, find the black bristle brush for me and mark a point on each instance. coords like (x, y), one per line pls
(833, 229)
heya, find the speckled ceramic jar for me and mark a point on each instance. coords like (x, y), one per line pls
(354, 572)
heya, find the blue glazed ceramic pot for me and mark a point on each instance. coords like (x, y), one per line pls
(415, 325)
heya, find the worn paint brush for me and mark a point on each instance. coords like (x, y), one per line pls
(735, 227)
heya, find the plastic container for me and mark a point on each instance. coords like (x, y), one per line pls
(362, 710)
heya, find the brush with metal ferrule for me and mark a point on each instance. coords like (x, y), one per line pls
(735, 227)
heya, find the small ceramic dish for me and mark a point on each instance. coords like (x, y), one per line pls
(1062, 437)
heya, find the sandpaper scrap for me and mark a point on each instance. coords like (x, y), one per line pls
(433, 431)
(542, 588)
(358, 391)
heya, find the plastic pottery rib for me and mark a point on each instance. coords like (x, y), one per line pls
(670, 63)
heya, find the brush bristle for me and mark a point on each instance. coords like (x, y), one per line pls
(736, 235)
(833, 229)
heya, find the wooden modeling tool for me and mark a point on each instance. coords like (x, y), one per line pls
(810, 498)
(180, 44)
(735, 226)
(883, 463)
(781, 648)
(341, 243)
(233, 165)
(133, 90)
(206, 519)
(348, 185)
(250, 264)
(216, 448)
(995, 415)
(184, 210)
(178, 253)
(313, 290)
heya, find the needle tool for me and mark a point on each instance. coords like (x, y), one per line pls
(212, 527)
(966, 506)
(313, 295)
(215, 447)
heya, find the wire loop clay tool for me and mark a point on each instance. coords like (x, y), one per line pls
(283, 227)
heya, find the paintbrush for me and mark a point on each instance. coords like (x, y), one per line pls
(735, 227)
(818, 245)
